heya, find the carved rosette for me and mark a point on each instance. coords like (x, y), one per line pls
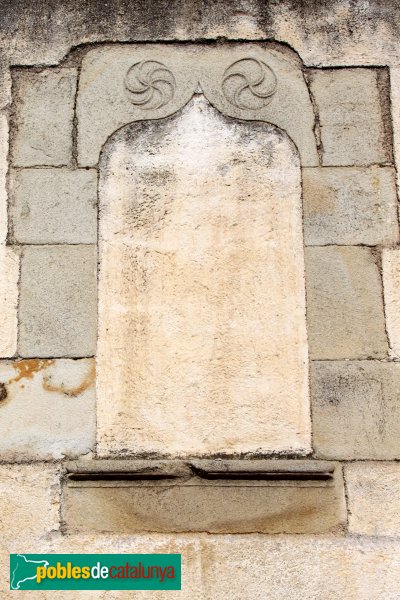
(150, 85)
(249, 84)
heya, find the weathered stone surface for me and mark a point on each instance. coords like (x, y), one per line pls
(47, 408)
(373, 496)
(247, 498)
(202, 341)
(344, 304)
(341, 33)
(114, 92)
(3, 175)
(350, 205)
(395, 115)
(391, 288)
(44, 105)
(293, 567)
(58, 301)
(29, 505)
(54, 206)
(9, 274)
(351, 117)
(356, 409)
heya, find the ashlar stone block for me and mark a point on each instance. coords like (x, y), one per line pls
(294, 567)
(9, 275)
(47, 409)
(391, 288)
(44, 107)
(202, 337)
(351, 116)
(350, 205)
(4, 140)
(29, 503)
(58, 301)
(344, 304)
(211, 496)
(373, 494)
(356, 409)
(54, 206)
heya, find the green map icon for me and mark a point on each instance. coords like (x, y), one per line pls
(24, 569)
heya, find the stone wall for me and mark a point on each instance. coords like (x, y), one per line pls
(104, 193)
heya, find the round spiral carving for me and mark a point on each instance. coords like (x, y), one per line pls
(249, 84)
(149, 84)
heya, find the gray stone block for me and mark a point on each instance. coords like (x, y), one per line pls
(58, 301)
(356, 409)
(54, 206)
(350, 205)
(344, 304)
(44, 106)
(353, 130)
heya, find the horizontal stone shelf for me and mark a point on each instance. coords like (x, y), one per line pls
(218, 496)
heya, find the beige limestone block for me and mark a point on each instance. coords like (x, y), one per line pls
(202, 338)
(9, 274)
(395, 115)
(344, 304)
(391, 289)
(351, 116)
(29, 508)
(374, 496)
(47, 409)
(350, 205)
(356, 409)
(44, 108)
(29, 501)
(3, 176)
(299, 567)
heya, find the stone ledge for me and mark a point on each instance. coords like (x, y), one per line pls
(221, 496)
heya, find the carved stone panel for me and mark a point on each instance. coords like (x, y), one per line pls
(202, 334)
(120, 84)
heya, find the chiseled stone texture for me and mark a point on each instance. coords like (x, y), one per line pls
(3, 177)
(395, 115)
(9, 274)
(29, 508)
(58, 301)
(44, 106)
(356, 409)
(246, 567)
(350, 205)
(294, 567)
(47, 408)
(202, 337)
(353, 130)
(373, 495)
(391, 288)
(54, 206)
(105, 104)
(344, 304)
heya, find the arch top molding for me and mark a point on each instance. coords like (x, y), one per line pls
(120, 84)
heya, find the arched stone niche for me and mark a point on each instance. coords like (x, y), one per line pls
(202, 324)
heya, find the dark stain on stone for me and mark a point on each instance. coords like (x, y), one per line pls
(3, 392)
